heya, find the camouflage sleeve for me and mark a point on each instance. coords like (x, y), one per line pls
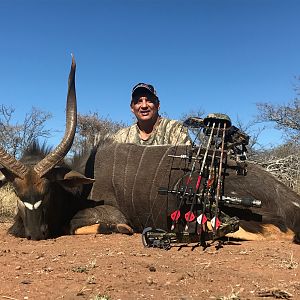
(179, 135)
(120, 136)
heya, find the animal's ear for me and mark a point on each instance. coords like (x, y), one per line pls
(5, 177)
(73, 179)
(2, 179)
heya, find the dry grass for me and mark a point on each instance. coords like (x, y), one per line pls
(85, 269)
(289, 263)
(233, 295)
(8, 202)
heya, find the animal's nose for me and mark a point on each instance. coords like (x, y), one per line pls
(35, 237)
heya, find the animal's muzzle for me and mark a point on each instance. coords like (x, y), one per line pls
(37, 234)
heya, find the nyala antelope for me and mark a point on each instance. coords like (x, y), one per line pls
(115, 189)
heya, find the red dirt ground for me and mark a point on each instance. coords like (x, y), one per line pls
(119, 267)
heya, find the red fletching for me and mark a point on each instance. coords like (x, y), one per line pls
(202, 219)
(218, 223)
(189, 216)
(198, 182)
(209, 182)
(175, 215)
(215, 222)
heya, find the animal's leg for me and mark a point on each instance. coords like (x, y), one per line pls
(99, 219)
(269, 232)
(244, 235)
(104, 228)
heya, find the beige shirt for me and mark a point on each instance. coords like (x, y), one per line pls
(166, 132)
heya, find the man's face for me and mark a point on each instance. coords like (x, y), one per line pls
(145, 106)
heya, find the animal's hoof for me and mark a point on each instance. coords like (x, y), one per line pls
(125, 229)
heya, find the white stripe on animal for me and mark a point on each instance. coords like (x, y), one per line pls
(28, 205)
(296, 204)
(33, 206)
(37, 204)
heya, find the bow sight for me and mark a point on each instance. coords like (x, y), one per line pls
(199, 216)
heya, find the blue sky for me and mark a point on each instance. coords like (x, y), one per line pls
(215, 55)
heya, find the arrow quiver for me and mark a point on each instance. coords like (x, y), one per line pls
(199, 194)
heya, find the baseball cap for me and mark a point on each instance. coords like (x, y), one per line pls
(143, 86)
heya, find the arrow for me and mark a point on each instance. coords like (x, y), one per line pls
(209, 183)
(219, 195)
(175, 215)
(189, 216)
